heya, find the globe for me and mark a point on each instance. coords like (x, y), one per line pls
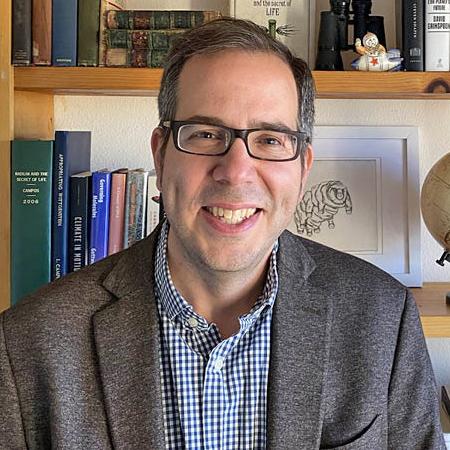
(435, 204)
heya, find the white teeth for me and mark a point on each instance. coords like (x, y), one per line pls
(232, 216)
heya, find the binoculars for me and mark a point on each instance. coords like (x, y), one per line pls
(333, 31)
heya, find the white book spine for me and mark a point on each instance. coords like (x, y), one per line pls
(437, 35)
(152, 203)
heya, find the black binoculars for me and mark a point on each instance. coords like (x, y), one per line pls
(333, 31)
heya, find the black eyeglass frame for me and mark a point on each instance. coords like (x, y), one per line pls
(175, 126)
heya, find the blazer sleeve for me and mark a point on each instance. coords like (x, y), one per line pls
(413, 411)
(11, 427)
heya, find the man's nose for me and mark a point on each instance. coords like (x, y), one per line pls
(236, 166)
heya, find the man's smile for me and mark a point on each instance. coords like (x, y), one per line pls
(231, 216)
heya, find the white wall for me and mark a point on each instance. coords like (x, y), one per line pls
(121, 129)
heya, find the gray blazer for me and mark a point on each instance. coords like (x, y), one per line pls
(349, 369)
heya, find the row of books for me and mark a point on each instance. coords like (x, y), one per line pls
(91, 33)
(426, 35)
(64, 216)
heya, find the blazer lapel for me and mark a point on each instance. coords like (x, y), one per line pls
(299, 352)
(126, 337)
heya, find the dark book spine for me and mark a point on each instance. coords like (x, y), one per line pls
(158, 20)
(21, 32)
(134, 39)
(80, 207)
(141, 57)
(72, 155)
(413, 35)
(64, 41)
(135, 207)
(42, 32)
(101, 195)
(88, 32)
(31, 199)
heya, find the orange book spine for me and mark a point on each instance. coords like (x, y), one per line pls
(42, 32)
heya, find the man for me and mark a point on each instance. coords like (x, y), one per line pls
(220, 330)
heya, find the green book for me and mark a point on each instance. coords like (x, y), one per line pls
(31, 214)
(88, 30)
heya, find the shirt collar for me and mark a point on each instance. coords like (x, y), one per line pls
(173, 303)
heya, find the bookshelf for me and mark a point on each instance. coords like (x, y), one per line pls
(27, 95)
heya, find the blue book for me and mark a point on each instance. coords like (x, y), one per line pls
(80, 213)
(101, 196)
(64, 39)
(72, 154)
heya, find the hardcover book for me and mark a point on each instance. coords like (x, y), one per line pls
(135, 206)
(292, 22)
(101, 194)
(21, 32)
(64, 39)
(42, 32)
(437, 35)
(132, 39)
(105, 6)
(72, 155)
(139, 57)
(31, 209)
(88, 28)
(153, 197)
(413, 35)
(158, 19)
(80, 209)
(117, 211)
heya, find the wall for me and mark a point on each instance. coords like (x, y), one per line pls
(121, 129)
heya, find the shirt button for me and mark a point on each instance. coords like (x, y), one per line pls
(219, 363)
(193, 322)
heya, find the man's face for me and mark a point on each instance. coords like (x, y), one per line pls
(239, 90)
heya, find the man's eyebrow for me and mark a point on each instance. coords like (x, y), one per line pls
(277, 125)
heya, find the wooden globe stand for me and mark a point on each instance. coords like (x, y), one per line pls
(441, 261)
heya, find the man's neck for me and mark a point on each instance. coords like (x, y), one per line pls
(220, 298)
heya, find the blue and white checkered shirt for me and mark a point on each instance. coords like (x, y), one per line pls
(214, 392)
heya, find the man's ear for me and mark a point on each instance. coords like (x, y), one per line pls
(157, 143)
(308, 160)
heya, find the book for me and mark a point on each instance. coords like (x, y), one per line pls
(153, 196)
(135, 207)
(158, 19)
(117, 211)
(88, 28)
(413, 35)
(290, 22)
(437, 35)
(31, 209)
(64, 39)
(445, 398)
(72, 154)
(101, 194)
(129, 39)
(80, 210)
(140, 57)
(42, 32)
(105, 6)
(21, 32)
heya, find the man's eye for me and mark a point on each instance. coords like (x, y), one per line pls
(205, 135)
(270, 141)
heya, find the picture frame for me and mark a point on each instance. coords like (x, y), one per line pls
(363, 197)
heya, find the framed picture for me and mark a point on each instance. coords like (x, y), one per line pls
(290, 21)
(363, 197)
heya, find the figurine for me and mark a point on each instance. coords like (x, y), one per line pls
(374, 56)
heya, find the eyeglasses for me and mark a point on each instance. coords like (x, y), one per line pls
(216, 140)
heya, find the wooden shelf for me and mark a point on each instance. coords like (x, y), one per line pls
(133, 81)
(434, 312)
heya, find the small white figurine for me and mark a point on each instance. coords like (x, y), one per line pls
(374, 56)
